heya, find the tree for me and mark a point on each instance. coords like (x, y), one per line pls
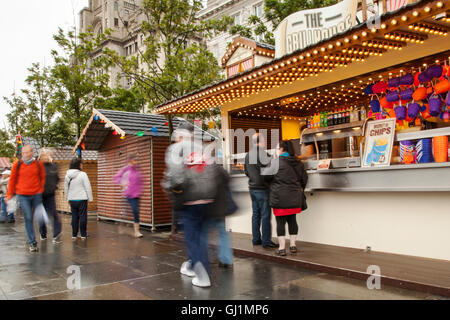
(7, 149)
(81, 80)
(275, 11)
(173, 62)
(33, 113)
(123, 99)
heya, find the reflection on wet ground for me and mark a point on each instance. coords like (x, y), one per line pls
(113, 265)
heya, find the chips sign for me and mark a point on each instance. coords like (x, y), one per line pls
(378, 143)
(308, 27)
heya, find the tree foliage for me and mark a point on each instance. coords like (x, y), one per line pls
(7, 149)
(275, 11)
(174, 60)
(81, 82)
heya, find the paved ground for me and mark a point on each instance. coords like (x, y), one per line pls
(114, 265)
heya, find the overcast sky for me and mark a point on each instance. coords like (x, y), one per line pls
(27, 28)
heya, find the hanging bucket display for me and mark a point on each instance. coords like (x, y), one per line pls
(400, 112)
(368, 90)
(385, 104)
(413, 110)
(423, 77)
(435, 106)
(442, 86)
(379, 87)
(407, 94)
(392, 96)
(434, 71)
(420, 94)
(394, 82)
(407, 80)
(375, 106)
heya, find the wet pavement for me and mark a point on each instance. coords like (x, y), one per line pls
(115, 266)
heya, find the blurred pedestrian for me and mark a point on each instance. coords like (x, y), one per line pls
(215, 221)
(78, 191)
(255, 160)
(6, 216)
(191, 182)
(48, 197)
(286, 194)
(27, 181)
(130, 181)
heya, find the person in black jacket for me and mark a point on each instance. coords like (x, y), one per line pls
(48, 197)
(286, 194)
(255, 160)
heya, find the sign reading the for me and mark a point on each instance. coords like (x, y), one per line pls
(307, 27)
(378, 143)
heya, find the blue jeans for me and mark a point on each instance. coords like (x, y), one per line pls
(134, 203)
(193, 218)
(27, 204)
(4, 212)
(225, 251)
(261, 217)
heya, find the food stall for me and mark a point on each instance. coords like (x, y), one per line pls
(390, 194)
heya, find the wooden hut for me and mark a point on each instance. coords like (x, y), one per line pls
(117, 134)
(62, 157)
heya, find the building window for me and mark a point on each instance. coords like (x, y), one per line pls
(258, 10)
(142, 39)
(135, 47)
(116, 6)
(106, 7)
(116, 22)
(236, 18)
(106, 23)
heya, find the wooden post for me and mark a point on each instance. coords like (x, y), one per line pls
(364, 10)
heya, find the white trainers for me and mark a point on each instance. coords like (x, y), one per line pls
(201, 278)
(186, 269)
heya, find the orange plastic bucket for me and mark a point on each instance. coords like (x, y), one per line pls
(440, 148)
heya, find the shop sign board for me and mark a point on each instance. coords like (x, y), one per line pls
(308, 27)
(378, 143)
(324, 164)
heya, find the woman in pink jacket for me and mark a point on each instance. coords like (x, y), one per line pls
(130, 180)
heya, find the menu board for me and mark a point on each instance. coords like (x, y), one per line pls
(378, 143)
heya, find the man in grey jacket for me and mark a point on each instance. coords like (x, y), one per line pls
(78, 191)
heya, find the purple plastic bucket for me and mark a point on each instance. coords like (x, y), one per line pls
(407, 80)
(392, 96)
(423, 77)
(400, 112)
(413, 110)
(394, 82)
(424, 151)
(406, 94)
(435, 106)
(434, 71)
(368, 90)
(375, 106)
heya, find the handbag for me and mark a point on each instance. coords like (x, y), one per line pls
(41, 215)
(11, 204)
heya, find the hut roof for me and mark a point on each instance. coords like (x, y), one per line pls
(102, 122)
(60, 153)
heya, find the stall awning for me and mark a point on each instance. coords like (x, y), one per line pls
(412, 24)
(121, 123)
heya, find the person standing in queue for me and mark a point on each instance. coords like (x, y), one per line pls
(130, 180)
(27, 182)
(255, 160)
(78, 191)
(48, 197)
(286, 194)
